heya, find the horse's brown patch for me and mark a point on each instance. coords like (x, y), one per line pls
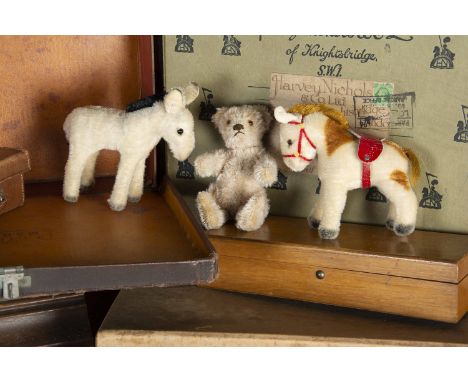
(401, 178)
(397, 148)
(335, 136)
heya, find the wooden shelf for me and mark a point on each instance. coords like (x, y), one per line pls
(191, 316)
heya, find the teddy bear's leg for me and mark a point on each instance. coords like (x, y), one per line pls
(211, 214)
(73, 170)
(405, 206)
(315, 215)
(333, 200)
(136, 186)
(127, 165)
(87, 177)
(252, 215)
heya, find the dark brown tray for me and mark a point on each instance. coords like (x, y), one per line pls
(85, 246)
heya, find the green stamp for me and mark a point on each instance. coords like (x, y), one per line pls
(382, 93)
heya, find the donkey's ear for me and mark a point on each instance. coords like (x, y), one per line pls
(191, 92)
(174, 101)
(282, 116)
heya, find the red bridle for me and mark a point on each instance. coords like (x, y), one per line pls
(302, 134)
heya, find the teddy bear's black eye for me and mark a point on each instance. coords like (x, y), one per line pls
(180, 131)
(290, 142)
(228, 122)
(250, 123)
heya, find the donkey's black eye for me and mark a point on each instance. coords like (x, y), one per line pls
(228, 121)
(290, 142)
(251, 123)
(180, 131)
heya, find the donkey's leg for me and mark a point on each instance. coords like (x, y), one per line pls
(127, 165)
(333, 196)
(212, 216)
(406, 206)
(316, 214)
(136, 186)
(253, 213)
(87, 177)
(73, 170)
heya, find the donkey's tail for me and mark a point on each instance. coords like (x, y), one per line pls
(415, 170)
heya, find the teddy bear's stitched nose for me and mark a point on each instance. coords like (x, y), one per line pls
(238, 127)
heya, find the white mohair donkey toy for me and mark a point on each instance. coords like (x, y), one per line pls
(93, 128)
(243, 170)
(308, 130)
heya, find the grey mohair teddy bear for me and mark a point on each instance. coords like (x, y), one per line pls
(243, 169)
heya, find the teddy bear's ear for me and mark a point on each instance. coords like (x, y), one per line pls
(218, 116)
(174, 101)
(266, 113)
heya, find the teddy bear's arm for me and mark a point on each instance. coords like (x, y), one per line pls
(266, 170)
(210, 164)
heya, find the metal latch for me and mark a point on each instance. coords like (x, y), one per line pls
(11, 280)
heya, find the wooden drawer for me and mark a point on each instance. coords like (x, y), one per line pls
(383, 293)
(367, 268)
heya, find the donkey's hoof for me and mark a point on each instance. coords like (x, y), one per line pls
(86, 186)
(134, 199)
(390, 224)
(404, 230)
(70, 199)
(328, 234)
(313, 223)
(116, 206)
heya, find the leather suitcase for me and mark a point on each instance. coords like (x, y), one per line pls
(51, 247)
(13, 164)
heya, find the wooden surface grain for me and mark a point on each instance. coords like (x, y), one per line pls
(194, 316)
(49, 232)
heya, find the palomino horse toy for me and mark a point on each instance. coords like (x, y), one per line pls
(344, 164)
(134, 134)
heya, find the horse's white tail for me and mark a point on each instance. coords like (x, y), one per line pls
(415, 170)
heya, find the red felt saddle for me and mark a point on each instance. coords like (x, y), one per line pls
(369, 150)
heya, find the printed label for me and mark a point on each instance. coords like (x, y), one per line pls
(385, 116)
(290, 89)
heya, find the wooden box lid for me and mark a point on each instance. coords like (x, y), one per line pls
(191, 316)
(424, 255)
(62, 247)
